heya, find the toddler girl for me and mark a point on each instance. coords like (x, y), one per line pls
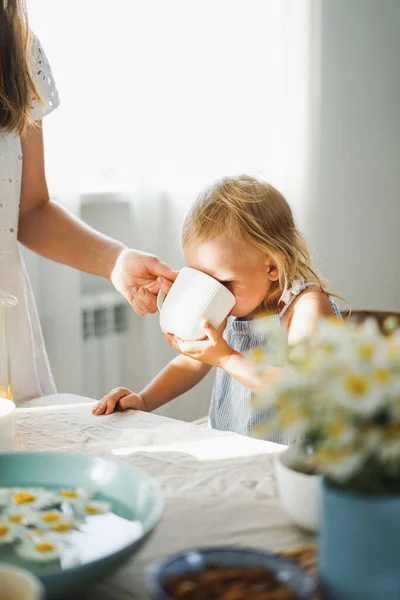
(240, 231)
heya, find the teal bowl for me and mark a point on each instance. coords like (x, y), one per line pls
(109, 539)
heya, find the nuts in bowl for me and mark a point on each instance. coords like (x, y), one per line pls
(229, 574)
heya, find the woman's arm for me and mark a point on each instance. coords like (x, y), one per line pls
(178, 377)
(51, 231)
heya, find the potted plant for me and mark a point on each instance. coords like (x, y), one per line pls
(339, 397)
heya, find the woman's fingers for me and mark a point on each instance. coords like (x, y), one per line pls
(144, 302)
(165, 284)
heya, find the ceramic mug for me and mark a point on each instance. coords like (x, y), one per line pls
(194, 297)
(18, 584)
(299, 492)
(7, 425)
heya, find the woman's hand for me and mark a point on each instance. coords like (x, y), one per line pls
(118, 399)
(139, 276)
(212, 350)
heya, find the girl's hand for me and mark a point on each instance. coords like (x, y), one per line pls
(212, 350)
(119, 399)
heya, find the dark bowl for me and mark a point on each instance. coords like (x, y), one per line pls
(197, 559)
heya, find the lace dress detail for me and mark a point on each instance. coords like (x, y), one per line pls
(45, 83)
(231, 407)
(30, 370)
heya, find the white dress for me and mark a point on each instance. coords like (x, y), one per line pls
(30, 372)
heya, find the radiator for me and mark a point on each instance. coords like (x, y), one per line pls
(104, 327)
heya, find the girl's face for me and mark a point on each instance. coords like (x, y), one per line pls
(243, 269)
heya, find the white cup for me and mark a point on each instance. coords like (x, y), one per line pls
(18, 584)
(7, 425)
(194, 297)
(299, 492)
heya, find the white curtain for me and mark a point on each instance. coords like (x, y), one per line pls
(167, 95)
(160, 97)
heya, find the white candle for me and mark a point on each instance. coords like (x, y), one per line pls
(7, 425)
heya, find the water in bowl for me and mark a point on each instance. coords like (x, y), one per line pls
(96, 537)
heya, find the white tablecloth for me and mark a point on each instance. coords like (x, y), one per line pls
(219, 487)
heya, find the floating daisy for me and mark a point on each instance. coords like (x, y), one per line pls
(63, 526)
(93, 507)
(38, 549)
(73, 494)
(32, 497)
(18, 515)
(46, 519)
(9, 532)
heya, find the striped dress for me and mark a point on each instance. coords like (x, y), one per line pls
(231, 407)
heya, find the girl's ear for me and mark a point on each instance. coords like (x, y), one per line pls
(272, 269)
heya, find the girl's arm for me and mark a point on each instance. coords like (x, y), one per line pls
(242, 369)
(215, 351)
(51, 231)
(302, 316)
(178, 377)
(299, 322)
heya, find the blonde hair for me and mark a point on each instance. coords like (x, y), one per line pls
(261, 216)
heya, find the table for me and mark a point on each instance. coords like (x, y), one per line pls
(219, 487)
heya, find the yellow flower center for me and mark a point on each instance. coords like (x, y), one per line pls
(50, 517)
(44, 547)
(287, 417)
(330, 456)
(68, 494)
(3, 530)
(365, 351)
(393, 350)
(282, 400)
(61, 527)
(328, 349)
(260, 431)
(382, 376)
(15, 518)
(356, 385)
(92, 510)
(335, 429)
(23, 498)
(333, 320)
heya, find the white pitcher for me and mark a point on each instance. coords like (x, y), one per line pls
(7, 406)
(6, 302)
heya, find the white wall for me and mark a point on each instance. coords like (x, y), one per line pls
(354, 211)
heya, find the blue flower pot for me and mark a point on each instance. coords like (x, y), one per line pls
(359, 547)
